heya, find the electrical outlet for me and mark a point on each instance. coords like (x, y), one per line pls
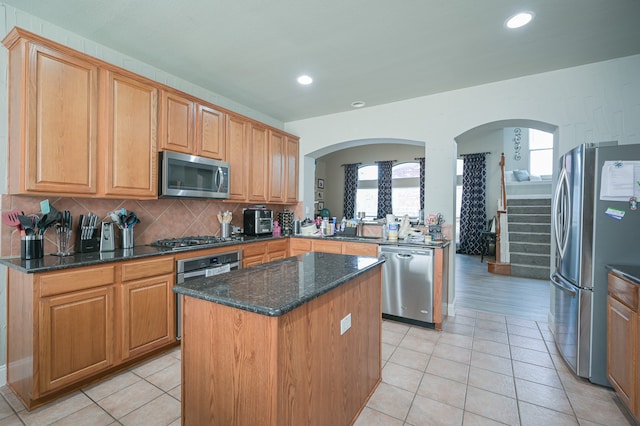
(345, 324)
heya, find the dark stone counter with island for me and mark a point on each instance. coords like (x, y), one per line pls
(294, 341)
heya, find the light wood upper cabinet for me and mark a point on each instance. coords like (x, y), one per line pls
(277, 171)
(236, 140)
(53, 147)
(191, 127)
(130, 137)
(210, 133)
(258, 164)
(79, 126)
(177, 122)
(291, 169)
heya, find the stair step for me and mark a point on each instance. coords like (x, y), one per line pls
(528, 202)
(529, 218)
(530, 259)
(535, 272)
(530, 227)
(529, 237)
(529, 210)
(525, 247)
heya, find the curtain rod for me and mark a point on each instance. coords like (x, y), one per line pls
(419, 158)
(475, 153)
(342, 165)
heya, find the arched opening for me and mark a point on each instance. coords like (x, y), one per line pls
(530, 204)
(324, 171)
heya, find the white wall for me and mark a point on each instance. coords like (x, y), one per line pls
(596, 102)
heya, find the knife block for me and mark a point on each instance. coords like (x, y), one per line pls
(88, 245)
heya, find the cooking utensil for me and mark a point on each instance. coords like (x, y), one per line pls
(26, 223)
(11, 218)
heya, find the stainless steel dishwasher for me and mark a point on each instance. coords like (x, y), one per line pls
(407, 283)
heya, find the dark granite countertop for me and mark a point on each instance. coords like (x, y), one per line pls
(375, 240)
(278, 287)
(631, 272)
(50, 262)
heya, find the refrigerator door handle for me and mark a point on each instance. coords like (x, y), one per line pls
(562, 284)
(562, 212)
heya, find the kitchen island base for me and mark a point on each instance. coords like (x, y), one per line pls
(300, 368)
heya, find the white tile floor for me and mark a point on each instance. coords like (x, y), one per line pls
(482, 369)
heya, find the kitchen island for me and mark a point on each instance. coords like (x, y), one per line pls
(294, 341)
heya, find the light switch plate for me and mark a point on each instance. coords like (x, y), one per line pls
(345, 324)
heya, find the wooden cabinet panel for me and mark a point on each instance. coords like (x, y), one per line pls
(58, 137)
(276, 250)
(621, 340)
(76, 279)
(177, 123)
(147, 315)
(147, 268)
(299, 246)
(131, 137)
(291, 172)
(326, 246)
(360, 249)
(210, 133)
(258, 164)
(253, 254)
(236, 141)
(76, 336)
(277, 171)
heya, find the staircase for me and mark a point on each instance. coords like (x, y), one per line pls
(530, 237)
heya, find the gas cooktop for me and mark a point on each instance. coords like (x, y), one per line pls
(183, 243)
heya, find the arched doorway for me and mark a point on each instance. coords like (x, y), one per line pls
(494, 139)
(326, 164)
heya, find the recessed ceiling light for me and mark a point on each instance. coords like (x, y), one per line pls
(305, 79)
(519, 20)
(357, 104)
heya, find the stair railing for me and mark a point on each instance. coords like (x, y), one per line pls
(502, 231)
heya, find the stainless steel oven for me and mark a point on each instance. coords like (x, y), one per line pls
(203, 266)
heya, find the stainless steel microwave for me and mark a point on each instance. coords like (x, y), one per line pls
(190, 176)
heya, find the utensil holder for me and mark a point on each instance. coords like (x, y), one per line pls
(31, 247)
(127, 238)
(225, 230)
(63, 239)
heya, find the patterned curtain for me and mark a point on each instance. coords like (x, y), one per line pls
(422, 170)
(384, 188)
(473, 215)
(350, 190)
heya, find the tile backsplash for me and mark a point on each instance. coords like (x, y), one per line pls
(163, 218)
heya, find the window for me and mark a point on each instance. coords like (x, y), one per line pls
(405, 184)
(540, 152)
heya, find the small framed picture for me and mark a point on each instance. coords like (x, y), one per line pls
(320, 205)
(320, 195)
(320, 183)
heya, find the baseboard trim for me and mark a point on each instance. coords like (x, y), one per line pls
(499, 268)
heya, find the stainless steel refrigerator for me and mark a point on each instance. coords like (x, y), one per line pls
(588, 236)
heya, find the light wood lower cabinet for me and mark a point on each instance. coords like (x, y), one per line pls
(76, 332)
(147, 307)
(623, 342)
(276, 250)
(243, 368)
(299, 246)
(68, 327)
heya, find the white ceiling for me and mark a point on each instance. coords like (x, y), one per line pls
(376, 51)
